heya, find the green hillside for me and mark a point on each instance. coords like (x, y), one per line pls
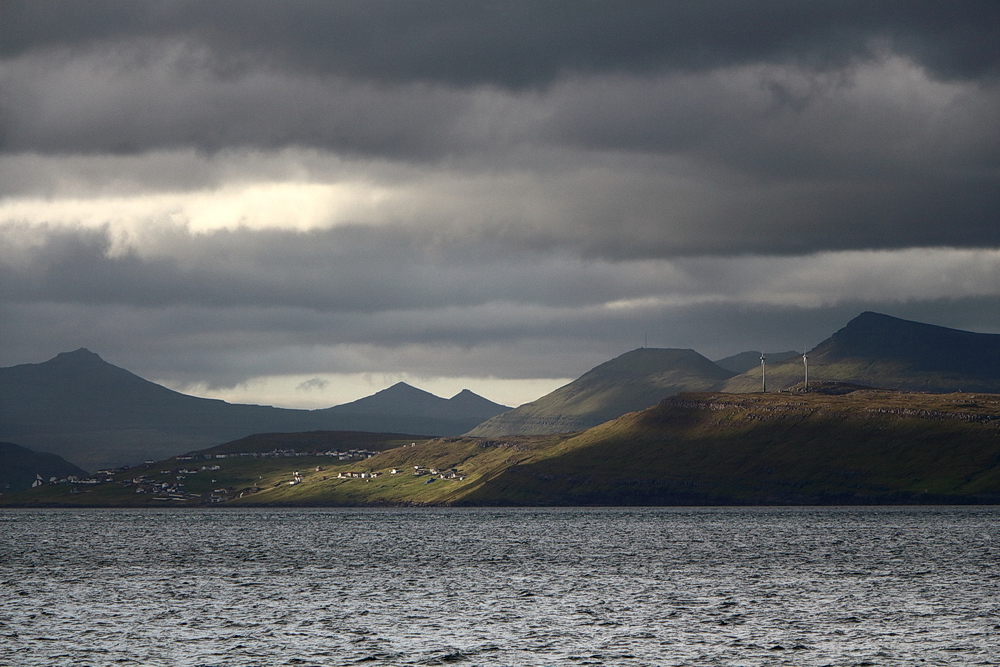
(221, 474)
(863, 446)
(887, 352)
(632, 381)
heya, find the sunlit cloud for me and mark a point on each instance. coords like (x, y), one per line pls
(254, 213)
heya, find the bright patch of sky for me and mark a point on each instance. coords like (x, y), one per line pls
(328, 389)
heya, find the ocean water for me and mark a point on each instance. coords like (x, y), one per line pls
(675, 586)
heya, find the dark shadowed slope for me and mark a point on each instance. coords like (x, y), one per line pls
(98, 415)
(745, 361)
(883, 351)
(20, 467)
(862, 447)
(633, 381)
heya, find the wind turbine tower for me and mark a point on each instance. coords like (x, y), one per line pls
(805, 364)
(763, 373)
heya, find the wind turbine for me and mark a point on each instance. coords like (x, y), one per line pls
(805, 363)
(763, 373)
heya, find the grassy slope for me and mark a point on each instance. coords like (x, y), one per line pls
(874, 373)
(633, 381)
(708, 448)
(882, 351)
(773, 448)
(238, 474)
(318, 440)
(480, 462)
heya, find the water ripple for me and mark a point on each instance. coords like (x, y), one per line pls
(616, 587)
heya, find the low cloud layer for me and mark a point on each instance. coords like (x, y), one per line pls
(211, 193)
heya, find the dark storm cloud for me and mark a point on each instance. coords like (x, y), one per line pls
(519, 189)
(521, 43)
(97, 104)
(345, 269)
(658, 129)
(380, 77)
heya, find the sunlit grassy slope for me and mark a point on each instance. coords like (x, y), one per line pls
(863, 447)
(633, 381)
(695, 448)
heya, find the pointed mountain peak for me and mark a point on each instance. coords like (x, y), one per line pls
(471, 399)
(403, 389)
(466, 396)
(81, 361)
(80, 355)
(403, 399)
(399, 399)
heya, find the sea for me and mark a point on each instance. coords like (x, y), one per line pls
(623, 587)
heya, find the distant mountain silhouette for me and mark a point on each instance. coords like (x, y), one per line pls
(745, 361)
(887, 352)
(20, 467)
(98, 415)
(402, 399)
(633, 381)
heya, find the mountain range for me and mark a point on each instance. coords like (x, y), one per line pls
(98, 415)
(872, 349)
(846, 446)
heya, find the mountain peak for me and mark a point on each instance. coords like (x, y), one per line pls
(404, 389)
(921, 348)
(870, 319)
(874, 335)
(399, 399)
(79, 355)
(79, 363)
(470, 400)
(645, 361)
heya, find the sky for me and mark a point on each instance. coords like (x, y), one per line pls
(300, 203)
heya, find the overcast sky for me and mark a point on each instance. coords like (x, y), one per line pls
(301, 203)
